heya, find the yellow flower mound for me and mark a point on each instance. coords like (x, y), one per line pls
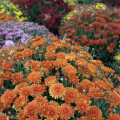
(71, 2)
(10, 9)
(101, 6)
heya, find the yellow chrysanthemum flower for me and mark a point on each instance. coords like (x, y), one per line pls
(101, 6)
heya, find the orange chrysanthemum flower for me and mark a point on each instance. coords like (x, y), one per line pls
(17, 77)
(8, 96)
(73, 79)
(50, 55)
(52, 113)
(33, 118)
(66, 111)
(71, 95)
(70, 70)
(44, 109)
(32, 64)
(37, 89)
(59, 44)
(94, 113)
(7, 75)
(1, 81)
(21, 115)
(110, 49)
(95, 93)
(82, 98)
(25, 92)
(54, 38)
(61, 63)
(3, 117)
(31, 109)
(20, 102)
(50, 80)
(19, 87)
(50, 48)
(47, 64)
(61, 55)
(71, 56)
(114, 116)
(34, 77)
(41, 101)
(83, 118)
(27, 52)
(82, 107)
(57, 90)
(7, 65)
(81, 62)
(53, 103)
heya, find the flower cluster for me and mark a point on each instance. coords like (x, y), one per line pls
(45, 12)
(19, 32)
(4, 17)
(111, 3)
(98, 30)
(71, 2)
(10, 9)
(57, 80)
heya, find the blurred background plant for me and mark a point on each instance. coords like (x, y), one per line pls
(10, 9)
(111, 3)
(19, 32)
(45, 12)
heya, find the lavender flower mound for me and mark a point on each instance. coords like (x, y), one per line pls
(20, 32)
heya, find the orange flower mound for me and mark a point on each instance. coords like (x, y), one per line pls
(31, 109)
(5, 18)
(60, 87)
(57, 90)
(94, 113)
(66, 111)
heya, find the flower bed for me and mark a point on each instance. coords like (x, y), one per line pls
(42, 80)
(99, 31)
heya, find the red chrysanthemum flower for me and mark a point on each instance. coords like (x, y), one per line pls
(57, 90)
(31, 109)
(1, 81)
(44, 109)
(66, 111)
(17, 77)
